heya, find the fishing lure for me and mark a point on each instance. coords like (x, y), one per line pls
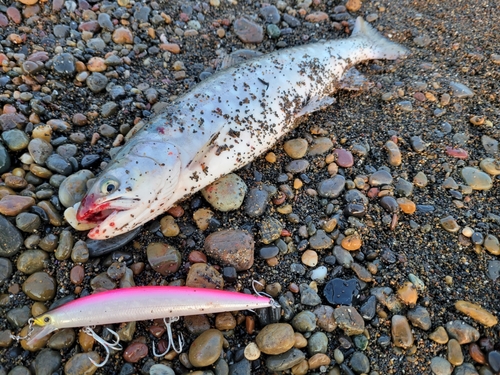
(141, 303)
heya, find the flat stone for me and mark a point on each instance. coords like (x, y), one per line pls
(226, 194)
(401, 332)
(476, 179)
(248, 31)
(285, 360)
(349, 320)
(477, 313)
(202, 275)
(420, 317)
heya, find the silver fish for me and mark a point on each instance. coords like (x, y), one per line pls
(224, 123)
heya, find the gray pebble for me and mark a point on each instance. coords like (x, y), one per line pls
(284, 361)
(420, 317)
(28, 222)
(5, 270)
(11, 239)
(343, 257)
(493, 270)
(96, 82)
(317, 343)
(109, 109)
(308, 296)
(4, 159)
(297, 166)
(58, 164)
(105, 21)
(18, 317)
(47, 362)
(40, 150)
(440, 366)
(160, 369)
(332, 187)
(305, 321)
(460, 90)
(256, 202)
(380, 177)
(15, 139)
(64, 64)
(360, 363)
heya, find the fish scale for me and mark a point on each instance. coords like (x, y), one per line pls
(221, 125)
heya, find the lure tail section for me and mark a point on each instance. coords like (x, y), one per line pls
(379, 46)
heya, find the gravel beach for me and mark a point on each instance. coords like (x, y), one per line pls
(375, 223)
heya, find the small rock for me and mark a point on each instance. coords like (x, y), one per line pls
(275, 338)
(401, 332)
(206, 348)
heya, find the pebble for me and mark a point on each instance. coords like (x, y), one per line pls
(12, 205)
(232, 248)
(449, 224)
(202, 217)
(163, 258)
(310, 258)
(64, 64)
(439, 335)
(80, 364)
(275, 338)
(225, 321)
(408, 293)
(353, 5)
(201, 275)
(248, 31)
(460, 90)
(270, 230)
(332, 187)
(96, 82)
(252, 352)
(31, 261)
(11, 239)
(406, 205)
(349, 320)
(492, 244)
(74, 187)
(394, 153)
(318, 360)
(320, 240)
(360, 363)
(494, 360)
(296, 148)
(317, 343)
(285, 360)
(401, 332)
(135, 352)
(490, 166)
(169, 227)
(206, 348)
(454, 353)
(226, 194)
(420, 317)
(309, 296)
(297, 166)
(477, 313)
(160, 369)
(344, 158)
(304, 321)
(462, 332)
(62, 339)
(257, 200)
(379, 178)
(47, 362)
(325, 319)
(319, 146)
(440, 366)
(352, 242)
(122, 35)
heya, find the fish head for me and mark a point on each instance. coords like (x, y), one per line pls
(129, 191)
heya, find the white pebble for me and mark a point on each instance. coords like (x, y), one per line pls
(319, 273)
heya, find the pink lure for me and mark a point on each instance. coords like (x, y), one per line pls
(144, 303)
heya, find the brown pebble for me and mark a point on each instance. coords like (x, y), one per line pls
(408, 293)
(176, 211)
(353, 5)
(300, 341)
(352, 242)
(77, 274)
(14, 14)
(249, 324)
(170, 47)
(294, 288)
(11, 205)
(318, 360)
(86, 341)
(225, 321)
(123, 35)
(15, 182)
(135, 352)
(406, 205)
(477, 313)
(477, 354)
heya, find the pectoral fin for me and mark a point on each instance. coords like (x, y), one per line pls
(200, 156)
(315, 104)
(353, 80)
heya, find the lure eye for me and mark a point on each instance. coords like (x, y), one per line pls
(46, 319)
(109, 186)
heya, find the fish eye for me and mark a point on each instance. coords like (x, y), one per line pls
(109, 186)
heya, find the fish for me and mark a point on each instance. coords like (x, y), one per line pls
(222, 124)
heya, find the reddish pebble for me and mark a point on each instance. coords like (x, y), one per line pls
(135, 352)
(197, 257)
(279, 199)
(77, 274)
(39, 56)
(14, 15)
(3, 57)
(57, 5)
(344, 158)
(285, 233)
(92, 26)
(294, 288)
(79, 119)
(373, 193)
(477, 354)
(419, 96)
(458, 153)
(157, 331)
(184, 17)
(176, 211)
(162, 346)
(170, 47)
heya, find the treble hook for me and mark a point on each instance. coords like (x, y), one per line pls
(273, 303)
(107, 345)
(168, 323)
(27, 335)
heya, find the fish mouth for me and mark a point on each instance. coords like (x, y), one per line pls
(92, 212)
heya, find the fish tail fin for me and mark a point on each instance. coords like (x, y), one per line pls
(381, 47)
